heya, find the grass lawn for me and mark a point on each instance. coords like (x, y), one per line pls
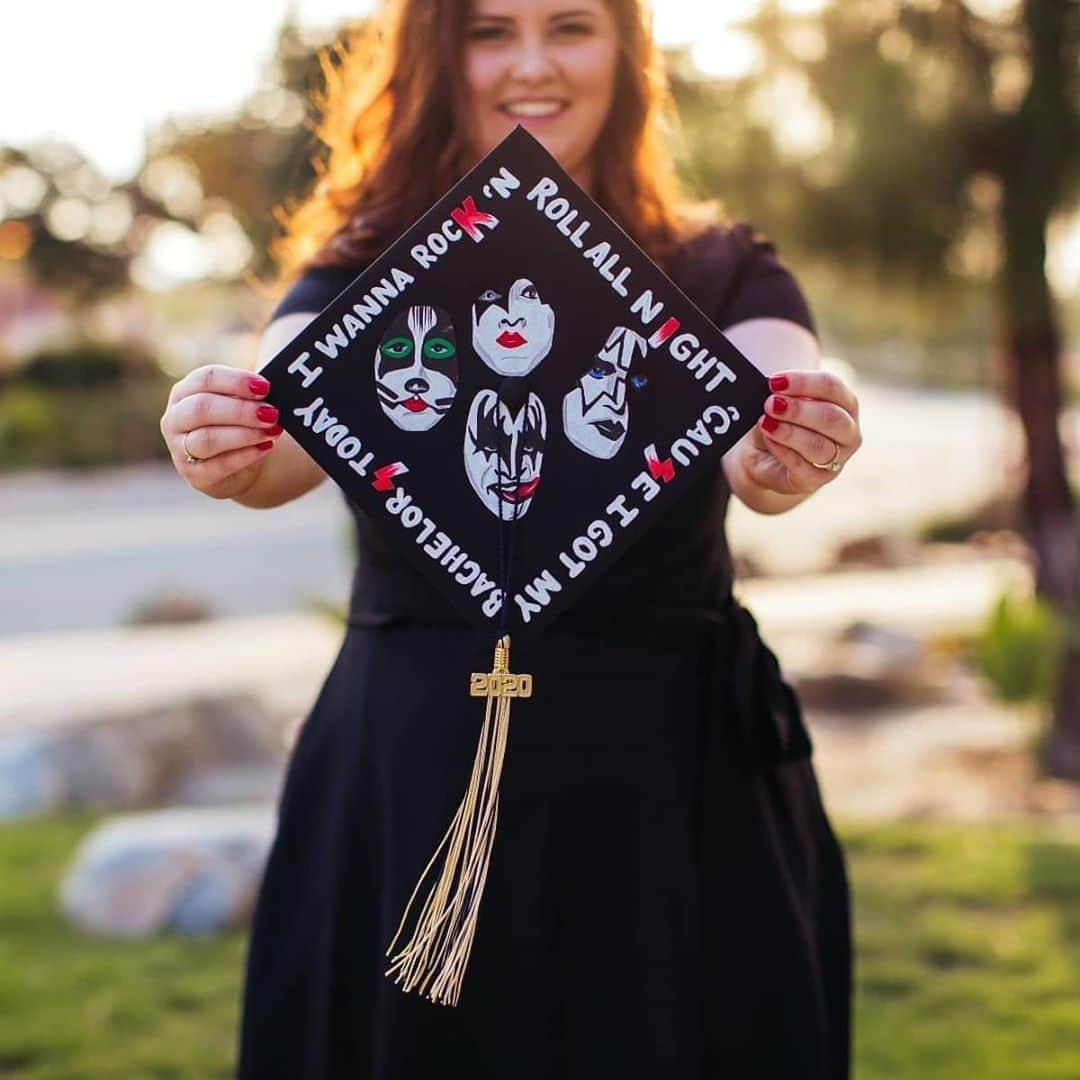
(967, 964)
(76, 1006)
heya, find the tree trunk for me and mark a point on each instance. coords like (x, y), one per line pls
(1050, 522)
(1039, 147)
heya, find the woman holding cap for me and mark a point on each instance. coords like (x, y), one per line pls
(666, 898)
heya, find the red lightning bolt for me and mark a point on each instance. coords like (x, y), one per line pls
(660, 470)
(384, 477)
(665, 333)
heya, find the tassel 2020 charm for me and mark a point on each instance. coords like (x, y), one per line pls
(436, 956)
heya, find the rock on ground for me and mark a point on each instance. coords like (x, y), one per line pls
(188, 870)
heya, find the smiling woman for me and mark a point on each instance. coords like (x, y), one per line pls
(665, 899)
(440, 82)
(554, 72)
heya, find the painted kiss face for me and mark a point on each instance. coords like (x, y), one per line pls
(596, 414)
(416, 368)
(512, 332)
(507, 450)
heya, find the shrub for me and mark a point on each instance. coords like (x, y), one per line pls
(84, 366)
(27, 418)
(1019, 650)
(85, 407)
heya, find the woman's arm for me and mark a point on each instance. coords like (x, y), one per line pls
(288, 471)
(771, 345)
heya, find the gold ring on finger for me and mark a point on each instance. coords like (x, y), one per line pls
(189, 457)
(833, 464)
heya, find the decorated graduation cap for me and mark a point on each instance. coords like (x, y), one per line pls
(515, 391)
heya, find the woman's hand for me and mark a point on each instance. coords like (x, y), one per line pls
(217, 410)
(811, 418)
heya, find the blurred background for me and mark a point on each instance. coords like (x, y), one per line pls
(915, 161)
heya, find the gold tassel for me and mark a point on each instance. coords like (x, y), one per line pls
(435, 958)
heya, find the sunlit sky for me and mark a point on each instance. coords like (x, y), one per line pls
(98, 75)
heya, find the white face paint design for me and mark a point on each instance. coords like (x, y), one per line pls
(596, 414)
(416, 368)
(501, 448)
(512, 333)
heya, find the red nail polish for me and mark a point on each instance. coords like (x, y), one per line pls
(259, 385)
(277, 429)
(267, 413)
(778, 382)
(779, 404)
(769, 424)
(266, 445)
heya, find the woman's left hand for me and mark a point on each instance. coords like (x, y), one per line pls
(811, 419)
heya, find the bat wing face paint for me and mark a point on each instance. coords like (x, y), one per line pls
(512, 331)
(596, 414)
(416, 368)
(504, 454)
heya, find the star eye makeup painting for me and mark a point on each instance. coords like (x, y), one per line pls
(513, 329)
(596, 412)
(416, 368)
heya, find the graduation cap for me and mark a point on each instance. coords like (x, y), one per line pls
(515, 391)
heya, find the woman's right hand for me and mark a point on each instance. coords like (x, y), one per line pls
(228, 429)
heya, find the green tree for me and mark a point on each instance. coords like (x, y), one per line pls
(953, 143)
(256, 158)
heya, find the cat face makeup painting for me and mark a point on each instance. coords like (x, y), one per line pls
(501, 448)
(512, 331)
(596, 413)
(416, 368)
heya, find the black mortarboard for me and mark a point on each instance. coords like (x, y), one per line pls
(516, 391)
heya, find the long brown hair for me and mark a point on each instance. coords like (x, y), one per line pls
(392, 122)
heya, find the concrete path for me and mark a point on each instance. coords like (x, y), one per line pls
(84, 675)
(944, 596)
(967, 759)
(83, 550)
(46, 677)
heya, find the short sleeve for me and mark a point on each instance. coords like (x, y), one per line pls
(315, 289)
(746, 278)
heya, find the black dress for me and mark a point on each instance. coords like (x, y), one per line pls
(666, 897)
